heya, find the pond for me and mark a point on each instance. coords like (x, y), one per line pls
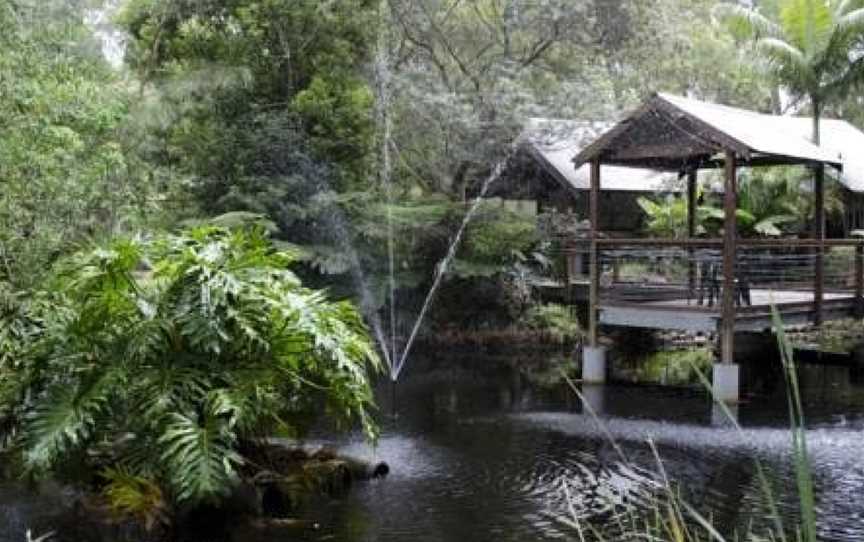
(480, 451)
(482, 455)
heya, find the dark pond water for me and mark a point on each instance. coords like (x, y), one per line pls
(479, 455)
(480, 452)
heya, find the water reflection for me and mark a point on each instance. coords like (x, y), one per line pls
(480, 457)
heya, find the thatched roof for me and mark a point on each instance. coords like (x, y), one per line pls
(674, 133)
(553, 143)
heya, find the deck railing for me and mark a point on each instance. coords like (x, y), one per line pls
(688, 273)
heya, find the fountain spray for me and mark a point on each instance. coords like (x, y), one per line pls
(383, 91)
(396, 360)
(444, 264)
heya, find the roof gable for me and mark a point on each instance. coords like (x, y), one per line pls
(674, 133)
(553, 143)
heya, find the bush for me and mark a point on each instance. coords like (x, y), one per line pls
(557, 321)
(675, 366)
(163, 357)
(499, 232)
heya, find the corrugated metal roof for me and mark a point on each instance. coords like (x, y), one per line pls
(555, 142)
(761, 133)
(672, 130)
(841, 140)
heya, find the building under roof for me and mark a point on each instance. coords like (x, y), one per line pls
(554, 143)
(684, 126)
(677, 134)
(839, 139)
(672, 133)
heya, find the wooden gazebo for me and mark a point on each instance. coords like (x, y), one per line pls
(675, 134)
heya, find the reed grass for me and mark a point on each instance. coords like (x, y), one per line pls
(670, 518)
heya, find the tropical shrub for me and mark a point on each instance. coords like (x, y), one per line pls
(771, 202)
(668, 217)
(675, 367)
(163, 356)
(557, 321)
(497, 233)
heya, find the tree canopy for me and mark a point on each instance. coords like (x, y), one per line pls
(810, 45)
(69, 166)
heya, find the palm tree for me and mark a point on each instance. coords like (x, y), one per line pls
(768, 206)
(667, 217)
(811, 46)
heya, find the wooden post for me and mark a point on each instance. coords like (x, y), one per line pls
(691, 229)
(594, 288)
(691, 203)
(859, 280)
(568, 271)
(819, 235)
(730, 240)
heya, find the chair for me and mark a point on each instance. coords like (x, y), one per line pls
(710, 285)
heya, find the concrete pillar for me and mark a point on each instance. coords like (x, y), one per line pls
(594, 396)
(594, 364)
(725, 384)
(721, 417)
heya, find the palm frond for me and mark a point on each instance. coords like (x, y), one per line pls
(844, 7)
(746, 23)
(789, 63)
(808, 25)
(851, 26)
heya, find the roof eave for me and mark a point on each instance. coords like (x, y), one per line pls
(659, 103)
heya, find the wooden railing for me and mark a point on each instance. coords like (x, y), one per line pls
(686, 273)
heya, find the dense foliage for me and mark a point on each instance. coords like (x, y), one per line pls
(771, 202)
(163, 355)
(69, 167)
(811, 46)
(356, 132)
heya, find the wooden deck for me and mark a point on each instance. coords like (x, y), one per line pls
(796, 307)
(764, 298)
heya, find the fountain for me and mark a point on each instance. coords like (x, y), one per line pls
(444, 264)
(396, 361)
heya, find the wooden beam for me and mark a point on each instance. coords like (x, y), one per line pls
(674, 115)
(691, 203)
(718, 242)
(674, 151)
(691, 228)
(706, 162)
(819, 236)
(730, 238)
(595, 150)
(594, 287)
(859, 281)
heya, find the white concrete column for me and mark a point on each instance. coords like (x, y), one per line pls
(594, 364)
(720, 417)
(594, 397)
(725, 383)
